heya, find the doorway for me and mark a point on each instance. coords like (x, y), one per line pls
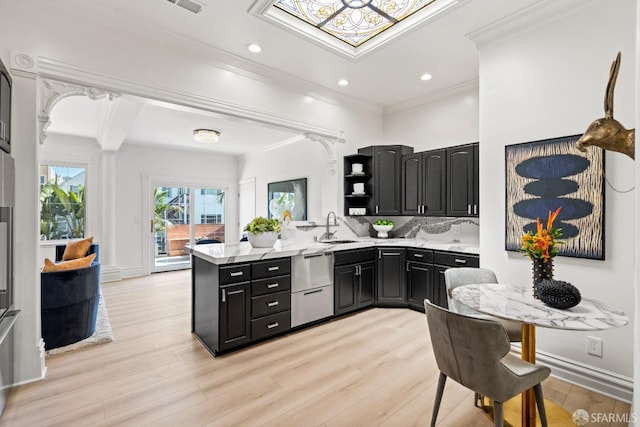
(184, 216)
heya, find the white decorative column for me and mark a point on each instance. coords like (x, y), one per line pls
(109, 270)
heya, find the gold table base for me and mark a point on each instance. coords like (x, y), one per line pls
(556, 414)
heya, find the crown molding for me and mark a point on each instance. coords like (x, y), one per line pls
(211, 55)
(107, 83)
(533, 16)
(432, 97)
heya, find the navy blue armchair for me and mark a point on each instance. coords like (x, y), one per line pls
(70, 302)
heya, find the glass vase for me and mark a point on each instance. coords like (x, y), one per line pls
(542, 269)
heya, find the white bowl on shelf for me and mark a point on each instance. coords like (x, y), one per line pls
(383, 230)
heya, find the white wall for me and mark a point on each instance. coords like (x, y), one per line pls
(636, 365)
(549, 82)
(139, 169)
(443, 122)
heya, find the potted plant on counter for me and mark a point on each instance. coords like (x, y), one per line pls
(383, 226)
(263, 232)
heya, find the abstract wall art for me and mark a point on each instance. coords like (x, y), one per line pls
(544, 175)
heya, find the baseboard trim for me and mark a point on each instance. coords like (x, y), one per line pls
(127, 273)
(110, 273)
(598, 380)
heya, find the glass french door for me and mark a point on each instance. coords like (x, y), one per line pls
(181, 216)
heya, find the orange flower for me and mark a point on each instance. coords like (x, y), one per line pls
(552, 217)
(542, 244)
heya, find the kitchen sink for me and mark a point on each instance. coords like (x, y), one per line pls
(337, 241)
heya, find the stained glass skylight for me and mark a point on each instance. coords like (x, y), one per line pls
(352, 21)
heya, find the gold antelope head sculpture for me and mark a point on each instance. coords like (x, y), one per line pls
(607, 133)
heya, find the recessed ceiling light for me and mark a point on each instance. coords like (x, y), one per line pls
(425, 77)
(254, 48)
(343, 82)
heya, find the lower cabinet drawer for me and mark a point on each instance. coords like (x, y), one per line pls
(270, 303)
(455, 259)
(270, 325)
(311, 305)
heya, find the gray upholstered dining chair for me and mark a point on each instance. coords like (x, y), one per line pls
(454, 277)
(475, 353)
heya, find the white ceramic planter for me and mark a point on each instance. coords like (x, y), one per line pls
(383, 230)
(262, 240)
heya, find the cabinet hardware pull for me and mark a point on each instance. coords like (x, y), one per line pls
(276, 268)
(419, 207)
(408, 264)
(272, 285)
(379, 253)
(418, 255)
(273, 325)
(475, 209)
(312, 256)
(424, 208)
(312, 292)
(376, 209)
(236, 273)
(224, 295)
(273, 304)
(469, 209)
(461, 261)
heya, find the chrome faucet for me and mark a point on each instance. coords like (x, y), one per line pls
(329, 235)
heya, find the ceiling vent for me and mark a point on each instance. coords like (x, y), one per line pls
(190, 5)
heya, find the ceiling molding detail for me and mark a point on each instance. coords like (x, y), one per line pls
(431, 97)
(211, 55)
(329, 144)
(524, 20)
(264, 9)
(51, 92)
(55, 70)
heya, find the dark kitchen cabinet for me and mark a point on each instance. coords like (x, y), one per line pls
(387, 177)
(462, 180)
(424, 183)
(234, 315)
(353, 280)
(5, 109)
(419, 277)
(442, 261)
(236, 304)
(392, 288)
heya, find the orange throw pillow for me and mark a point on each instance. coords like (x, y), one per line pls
(73, 264)
(77, 249)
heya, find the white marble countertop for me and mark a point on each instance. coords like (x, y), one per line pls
(227, 253)
(517, 303)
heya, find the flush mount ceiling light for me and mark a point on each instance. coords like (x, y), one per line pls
(343, 82)
(425, 77)
(206, 135)
(254, 48)
(351, 27)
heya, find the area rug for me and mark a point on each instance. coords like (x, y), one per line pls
(103, 333)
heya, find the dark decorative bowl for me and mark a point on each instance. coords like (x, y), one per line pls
(558, 294)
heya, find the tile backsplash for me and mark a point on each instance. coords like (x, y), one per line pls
(437, 229)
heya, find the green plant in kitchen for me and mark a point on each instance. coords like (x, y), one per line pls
(383, 222)
(261, 225)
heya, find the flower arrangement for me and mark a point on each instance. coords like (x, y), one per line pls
(544, 244)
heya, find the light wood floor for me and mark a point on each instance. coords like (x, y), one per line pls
(372, 368)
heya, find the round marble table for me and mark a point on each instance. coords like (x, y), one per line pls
(517, 303)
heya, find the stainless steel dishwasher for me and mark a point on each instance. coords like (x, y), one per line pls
(311, 288)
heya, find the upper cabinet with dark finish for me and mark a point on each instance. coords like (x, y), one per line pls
(424, 183)
(387, 177)
(462, 189)
(5, 109)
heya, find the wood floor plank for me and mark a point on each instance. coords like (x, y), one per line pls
(371, 368)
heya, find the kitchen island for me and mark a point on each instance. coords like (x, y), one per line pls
(242, 295)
